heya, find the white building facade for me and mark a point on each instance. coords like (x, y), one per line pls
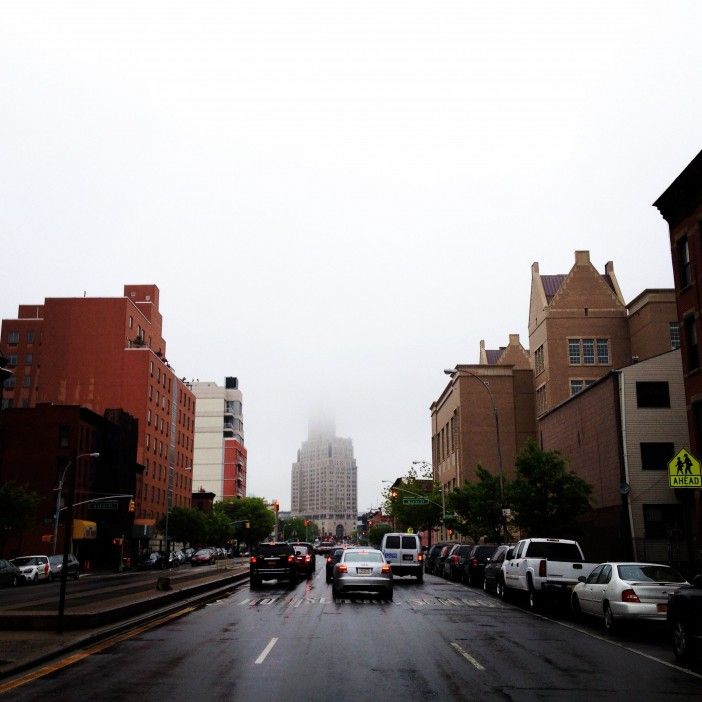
(324, 486)
(219, 455)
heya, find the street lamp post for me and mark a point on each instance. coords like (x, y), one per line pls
(68, 531)
(454, 371)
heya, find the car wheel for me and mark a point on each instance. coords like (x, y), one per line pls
(486, 587)
(335, 594)
(420, 578)
(533, 596)
(609, 623)
(76, 575)
(15, 581)
(35, 579)
(254, 582)
(389, 595)
(471, 579)
(501, 589)
(575, 606)
(682, 640)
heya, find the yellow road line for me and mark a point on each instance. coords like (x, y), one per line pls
(86, 652)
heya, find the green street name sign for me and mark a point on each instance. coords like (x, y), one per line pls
(415, 501)
(108, 504)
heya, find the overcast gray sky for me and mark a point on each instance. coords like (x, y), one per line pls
(338, 200)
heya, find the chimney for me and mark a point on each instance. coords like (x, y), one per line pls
(582, 258)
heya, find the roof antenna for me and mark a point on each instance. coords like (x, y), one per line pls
(83, 293)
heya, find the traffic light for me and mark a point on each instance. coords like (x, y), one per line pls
(132, 505)
(393, 494)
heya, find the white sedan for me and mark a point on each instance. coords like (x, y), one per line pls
(616, 591)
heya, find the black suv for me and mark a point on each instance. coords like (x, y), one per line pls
(304, 557)
(474, 564)
(273, 560)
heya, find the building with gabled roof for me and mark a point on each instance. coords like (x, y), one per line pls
(578, 329)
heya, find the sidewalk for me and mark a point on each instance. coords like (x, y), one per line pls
(28, 634)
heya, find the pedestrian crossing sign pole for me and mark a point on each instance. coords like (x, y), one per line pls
(684, 471)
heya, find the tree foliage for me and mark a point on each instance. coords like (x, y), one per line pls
(478, 507)
(547, 499)
(295, 528)
(418, 517)
(255, 511)
(186, 525)
(18, 507)
(376, 532)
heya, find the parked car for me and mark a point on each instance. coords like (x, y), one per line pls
(362, 570)
(188, 552)
(453, 565)
(304, 557)
(404, 554)
(153, 561)
(33, 568)
(9, 573)
(441, 559)
(685, 619)
(493, 578)
(474, 564)
(431, 556)
(203, 556)
(56, 566)
(272, 560)
(332, 559)
(617, 591)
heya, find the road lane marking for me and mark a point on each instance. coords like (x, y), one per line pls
(85, 653)
(467, 656)
(266, 650)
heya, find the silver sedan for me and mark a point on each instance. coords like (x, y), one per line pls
(362, 570)
(616, 591)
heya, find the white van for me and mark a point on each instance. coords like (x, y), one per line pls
(404, 554)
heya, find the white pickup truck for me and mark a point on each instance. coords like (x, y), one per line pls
(542, 566)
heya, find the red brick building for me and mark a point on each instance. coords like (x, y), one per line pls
(103, 353)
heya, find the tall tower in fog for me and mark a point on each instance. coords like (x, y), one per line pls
(324, 486)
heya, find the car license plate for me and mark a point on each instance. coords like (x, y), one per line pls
(364, 571)
(271, 561)
(662, 607)
(406, 556)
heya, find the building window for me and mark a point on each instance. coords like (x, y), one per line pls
(131, 322)
(539, 360)
(10, 383)
(589, 352)
(655, 455)
(603, 351)
(690, 331)
(674, 335)
(576, 386)
(148, 417)
(541, 400)
(11, 360)
(662, 521)
(574, 352)
(28, 359)
(683, 251)
(27, 381)
(652, 393)
(30, 336)
(13, 338)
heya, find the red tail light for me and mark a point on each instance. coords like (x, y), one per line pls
(474, 562)
(454, 559)
(252, 559)
(420, 556)
(542, 569)
(329, 560)
(307, 558)
(46, 568)
(342, 568)
(385, 568)
(291, 559)
(630, 596)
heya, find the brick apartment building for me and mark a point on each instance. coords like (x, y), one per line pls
(103, 353)
(40, 445)
(463, 427)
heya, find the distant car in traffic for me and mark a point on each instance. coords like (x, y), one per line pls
(362, 570)
(33, 568)
(618, 591)
(56, 566)
(331, 560)
(325, 547)
(304, 557)
(685, 619)
(272, 560)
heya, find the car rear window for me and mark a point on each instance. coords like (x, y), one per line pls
(361, 557)
(554, 551)
(409, 542)
(274, 549)
(301, 547)
(464, 550)
(29, 560)
(652, 573)
(392, 542)
(484, 551)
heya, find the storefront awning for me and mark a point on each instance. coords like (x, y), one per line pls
(83, 529)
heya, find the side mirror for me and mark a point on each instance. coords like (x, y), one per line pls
(582, 579)
(697, 581)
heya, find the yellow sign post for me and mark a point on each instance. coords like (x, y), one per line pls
(684, 471)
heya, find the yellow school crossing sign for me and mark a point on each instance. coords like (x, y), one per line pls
(684, 471)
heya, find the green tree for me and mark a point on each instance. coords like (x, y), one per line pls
(295, 528)
(220, 529)
(376, 532)
(185, 524)
(478, 507)
(406, 515)
(546, 498)
(18, 508)
(255, 511)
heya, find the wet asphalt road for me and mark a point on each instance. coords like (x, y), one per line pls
(436, 640)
